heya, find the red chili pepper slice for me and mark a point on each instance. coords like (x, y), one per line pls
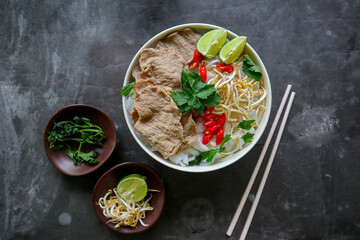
(225, 68)
(196, 56)
(201, 58)
(222, 120)
(219, 66)
(209, 123)
(230, 69)
(207, 138)
(210, 117)
(193, 65)
(219, 136)
(197, 59)
(208, 111)
(212, 129)
(217, 131)
(203, 73)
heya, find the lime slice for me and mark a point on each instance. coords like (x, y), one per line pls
(232, 49)
(211, 42)
(132, 188)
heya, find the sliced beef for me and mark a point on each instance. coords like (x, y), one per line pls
(141, 85)
(155, 114)
(134, 116)
(158, 120)
(183, 42)
(162, 65)
(136, 72)
(189, 131)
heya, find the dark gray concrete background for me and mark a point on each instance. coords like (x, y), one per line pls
(56, 53)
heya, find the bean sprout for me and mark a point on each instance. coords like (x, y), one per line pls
(122, 213)
(240, 94)
(243, 98)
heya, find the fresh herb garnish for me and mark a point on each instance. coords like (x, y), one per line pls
(195, 93)
(250, 69)
(248, 137)
(209, 155)
(79, 130)
(246, 124)
(128, 90)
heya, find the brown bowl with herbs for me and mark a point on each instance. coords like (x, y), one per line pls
(78, 139)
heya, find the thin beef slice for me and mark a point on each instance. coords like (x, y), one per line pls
(189, 131)
(183, 42)
(164, 66)
(159, 121)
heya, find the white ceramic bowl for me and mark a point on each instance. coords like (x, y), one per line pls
(201, 28)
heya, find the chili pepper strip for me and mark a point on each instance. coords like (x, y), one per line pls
(203, 73)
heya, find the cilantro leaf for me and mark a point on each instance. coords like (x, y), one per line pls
(193, 101)
(189, 78)
(201, 108)
(195, 93)
(250, 69)
(200, 86)
(128, 90)
(206, 92)
(184, 108)
(248, 137)
(196, 161)
(246, 124)
(213, 100)
(180, 98)
(209, 155)
(226, 138)
(88, 157)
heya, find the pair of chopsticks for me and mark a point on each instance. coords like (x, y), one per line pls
(258, 164)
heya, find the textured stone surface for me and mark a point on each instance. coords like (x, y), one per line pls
(56, 53)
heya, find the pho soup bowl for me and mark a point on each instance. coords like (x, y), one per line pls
(200, 28)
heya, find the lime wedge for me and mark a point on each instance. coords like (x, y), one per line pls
(232, 49)
(211, 42)
(132, 188)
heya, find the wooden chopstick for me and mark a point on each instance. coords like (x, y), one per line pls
(267, 170)
(258, 164)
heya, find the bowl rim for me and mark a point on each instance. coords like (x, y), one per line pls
(238, 155)
(142, 165)
(97, 166)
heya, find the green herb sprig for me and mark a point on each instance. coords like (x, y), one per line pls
(79, 130)
(248, 137)
(195, 93)
(247, 125)
(209, 155)
(250, 69)
(128, 90)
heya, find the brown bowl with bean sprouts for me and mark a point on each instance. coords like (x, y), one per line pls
(128, 217)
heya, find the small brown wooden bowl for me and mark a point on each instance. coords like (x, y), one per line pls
(61, 160)
(111, 178)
